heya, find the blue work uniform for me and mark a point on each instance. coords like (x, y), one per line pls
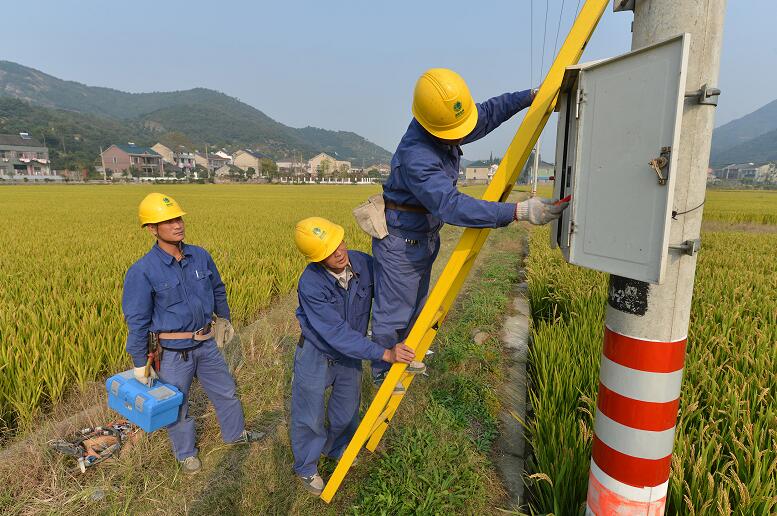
(424, 173)
(165, 295)
(334, 323)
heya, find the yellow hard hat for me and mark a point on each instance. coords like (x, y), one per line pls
(157, 207)
(443, 105)
(317, 238)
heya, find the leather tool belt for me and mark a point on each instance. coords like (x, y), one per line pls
(201, 335)
(405, 207)
(207, 332)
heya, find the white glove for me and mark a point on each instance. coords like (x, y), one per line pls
(140, 375)
(539, 211)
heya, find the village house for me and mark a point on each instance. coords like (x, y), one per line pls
(180, 157)
(211, 161)
(757, 173)
(323, 165)
(118, 158)
(246, 159)
(22, 155)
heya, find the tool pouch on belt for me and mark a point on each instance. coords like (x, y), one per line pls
(371, 216)
(224, 331)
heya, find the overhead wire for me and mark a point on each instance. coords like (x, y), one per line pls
(558, 28)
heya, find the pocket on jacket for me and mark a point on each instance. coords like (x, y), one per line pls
(167, 294)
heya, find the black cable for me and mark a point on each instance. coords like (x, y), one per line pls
(676, 213)
(558, 29)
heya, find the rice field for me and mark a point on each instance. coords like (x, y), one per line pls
(725, 455)
(65, 250)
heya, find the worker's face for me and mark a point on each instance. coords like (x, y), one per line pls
(337, 261)
(172, 231)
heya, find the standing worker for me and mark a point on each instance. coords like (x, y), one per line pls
(420, 196)
(170, 295)
(335, 297)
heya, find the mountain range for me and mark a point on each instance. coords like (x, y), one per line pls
(752, 138)
(75, 120)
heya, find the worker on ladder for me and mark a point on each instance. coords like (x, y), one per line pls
(172, 293)
(420, 196)
(335, 296)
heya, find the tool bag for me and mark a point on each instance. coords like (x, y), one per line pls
(371, 217)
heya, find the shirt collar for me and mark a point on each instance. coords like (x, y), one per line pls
(331, 277)
(166, 258)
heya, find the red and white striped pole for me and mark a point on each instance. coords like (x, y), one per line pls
(646, 325)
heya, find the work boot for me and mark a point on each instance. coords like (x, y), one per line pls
(249, 437)
(313, 484)
(190, 465)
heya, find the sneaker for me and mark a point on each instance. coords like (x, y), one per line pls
(249, 437)
(190, 465)
(313, 484)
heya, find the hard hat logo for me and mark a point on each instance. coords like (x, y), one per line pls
(320, 233)
(457, 106)
(167, 201)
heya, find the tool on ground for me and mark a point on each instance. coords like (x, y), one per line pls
(385, 403)
(91, 446)
(150, 408)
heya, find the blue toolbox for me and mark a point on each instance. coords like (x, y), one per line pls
(151, 408)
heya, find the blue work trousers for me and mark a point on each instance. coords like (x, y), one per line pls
(208, 365)
(403, 269)
(310, 438)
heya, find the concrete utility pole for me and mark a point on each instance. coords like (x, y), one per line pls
(647, 325)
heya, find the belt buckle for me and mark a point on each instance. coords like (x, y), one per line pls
(409, 241)
(198, 332)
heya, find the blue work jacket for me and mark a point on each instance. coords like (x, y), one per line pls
(164, 295)
(424, 172)
(334, 319)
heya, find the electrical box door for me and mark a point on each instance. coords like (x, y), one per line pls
(616, 154)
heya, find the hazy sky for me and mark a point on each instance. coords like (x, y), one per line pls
(345, 64)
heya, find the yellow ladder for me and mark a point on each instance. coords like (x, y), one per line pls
(385, 404)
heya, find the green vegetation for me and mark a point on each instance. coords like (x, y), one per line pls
(725, 455)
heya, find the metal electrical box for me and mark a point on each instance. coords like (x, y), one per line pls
(616, 154)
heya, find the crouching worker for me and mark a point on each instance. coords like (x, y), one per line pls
(172, 293)
(335, 298)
